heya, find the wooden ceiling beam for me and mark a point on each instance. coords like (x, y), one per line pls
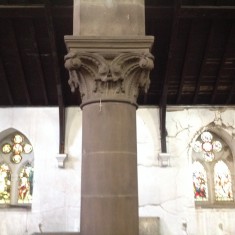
(232, 91)
(19, 11)
(171, 53)
(221, 66)
(184, 68)
(205, 55)
(56, 69)
(20, 64)
(159, 12)
(34, 11)
(39, 63)
(216, 12)
(4, 83)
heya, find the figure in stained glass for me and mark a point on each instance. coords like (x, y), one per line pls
(223, 183)
(199, 182)
(5, 183)
(26, 184)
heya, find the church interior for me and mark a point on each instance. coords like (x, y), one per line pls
(117, 117)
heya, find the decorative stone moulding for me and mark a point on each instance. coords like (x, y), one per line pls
(164, 159)
(61, 157)
(109, 69)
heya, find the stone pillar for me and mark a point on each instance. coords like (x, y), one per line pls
(109, 71)
(108, 17)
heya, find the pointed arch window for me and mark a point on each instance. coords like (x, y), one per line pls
(200, 182)
(222, 182)
(5, 183)
(16, 170)
(211, 171)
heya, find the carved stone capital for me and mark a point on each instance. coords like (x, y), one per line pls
(109, 74)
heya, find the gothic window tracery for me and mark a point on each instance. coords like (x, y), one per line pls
(16, 170)
(212, 167)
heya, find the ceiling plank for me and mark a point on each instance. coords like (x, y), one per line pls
(213, 12)
(5, 84)
(203, 62)
(184, 68)
(25, 11)
(221, 66)
(19, 59)
(38, 61)
(34, 11)
(159, 12)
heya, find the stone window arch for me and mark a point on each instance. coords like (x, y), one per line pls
(212, 169)
(16, 169)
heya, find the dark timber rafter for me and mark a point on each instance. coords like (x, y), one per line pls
(39, 63)
(21, 68)
(163, 102)
(218, 77)
(55, 61)
(34, 11)
(186, 57)
(212, 12)
(5, 84)
(205, 56)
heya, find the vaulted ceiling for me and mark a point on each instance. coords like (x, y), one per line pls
(194, 52)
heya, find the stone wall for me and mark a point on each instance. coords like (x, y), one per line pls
(165, 193)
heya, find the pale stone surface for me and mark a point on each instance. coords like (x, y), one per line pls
(163, 192)
(109, 17)
(149, 226)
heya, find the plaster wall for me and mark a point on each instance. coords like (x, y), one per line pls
(163, 192)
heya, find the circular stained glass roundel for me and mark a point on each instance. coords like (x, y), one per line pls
(6, 148)
(207, 146)
(18, 139)
(217, 146)
(208, 156)
(28, 148)
(16, 158)
(17, 148)
(206, 136)
(197, 146)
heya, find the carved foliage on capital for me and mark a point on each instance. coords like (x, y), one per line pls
(111, 77)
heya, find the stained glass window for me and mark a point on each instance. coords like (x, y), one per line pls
(223, 182)
(17, 148)
(212, 166)
(26, 184)
(5, 183)
(16, 170)
(200, 182)
(208, 146)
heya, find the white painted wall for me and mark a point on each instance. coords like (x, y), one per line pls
(163, 192)
(167, 192)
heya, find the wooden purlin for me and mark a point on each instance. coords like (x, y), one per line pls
(20, 64)
(221, 66)
(184, 67)
(39, 64)
(5, 83)
(210, 12)
(203, 62)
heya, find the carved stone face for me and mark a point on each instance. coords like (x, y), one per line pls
(104, 72)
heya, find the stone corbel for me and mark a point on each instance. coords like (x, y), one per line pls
(164, 159)
(61, 157)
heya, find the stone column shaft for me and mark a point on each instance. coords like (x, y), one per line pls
(109, 172)
(109, 73)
